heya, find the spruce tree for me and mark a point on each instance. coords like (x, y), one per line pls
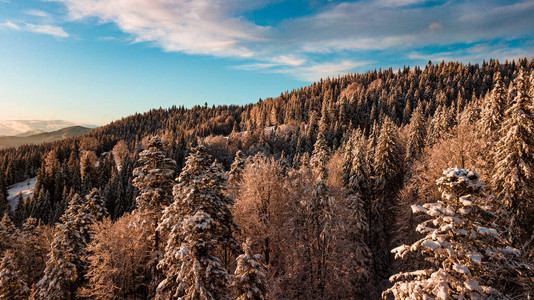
(494, 108)
(12, 283)
(198, 221)
(237, 167)
(416, 134)
(65, 267)
(513, 175)
(154, 179)
(469, 257)
(249, 278)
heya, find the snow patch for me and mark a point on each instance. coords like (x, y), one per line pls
(26, 187)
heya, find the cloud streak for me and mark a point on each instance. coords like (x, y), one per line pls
(313, 43)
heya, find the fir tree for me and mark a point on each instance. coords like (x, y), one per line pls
(319, 158)
(65, 267)
(237, 166)
(249, 279)
(12, 284)
(198, 221)
(513, 175)
(416, 134)
(470, 259)
(154, 179)
(494, 108)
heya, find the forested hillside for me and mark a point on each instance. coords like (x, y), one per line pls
(410, 183)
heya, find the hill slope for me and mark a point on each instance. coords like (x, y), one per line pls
(15, 141)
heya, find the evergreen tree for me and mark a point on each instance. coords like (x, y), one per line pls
(95, 206)
(249, 278)
(237, 166)
(416, 134)
(8, 234)
(12, 284)
(319, 158)
(494, 108)
(154, 179)
(199, 220)
(513, 175)
(65, 268)
(470, 259)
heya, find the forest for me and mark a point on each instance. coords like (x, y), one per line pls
(408, 184)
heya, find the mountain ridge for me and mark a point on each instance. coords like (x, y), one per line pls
(42, 137)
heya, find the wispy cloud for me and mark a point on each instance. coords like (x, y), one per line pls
(36, 12)
(220, 28)
(10, 25)
(197, 27)
(52, 30)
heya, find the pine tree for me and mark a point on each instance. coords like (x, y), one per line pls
(249, 278)
(12, 284)
(198, 221)
(65, 267)
(494, 108)
(319, 158)
(387, 180)
(513, 175)
(154, 179)
(470, 259)
(416, 134)
(95, 206)
(237, 167)
(8, 234)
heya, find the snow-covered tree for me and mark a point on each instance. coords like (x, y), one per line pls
(8, 234)
(65, 265)
(249, 279)
(237, 166)
(95, 205)
(319, 158)
(416, 134)
(154, 179)
(12, 283)
(469, 257)
(198, 221)
(494, 108)
(513, 175)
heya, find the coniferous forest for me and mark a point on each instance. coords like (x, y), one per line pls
(415, 183)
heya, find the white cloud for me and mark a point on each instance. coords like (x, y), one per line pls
(47, 29)
(197, 27)
(36, 12)
(220, 28)
(10, 25)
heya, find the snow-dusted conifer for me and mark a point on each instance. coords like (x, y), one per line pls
(249, 279)
(95, 205)
(154, 179)
(470, 259)
(8, 234)
(198, 221)
(416, 134)
(513, 175)
(64, 267)
(237, 166)
(319, 158)
(494, 108)
(12, 284)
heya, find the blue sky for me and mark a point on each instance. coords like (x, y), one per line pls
(94, 61)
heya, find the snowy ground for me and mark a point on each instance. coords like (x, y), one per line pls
(26, 187)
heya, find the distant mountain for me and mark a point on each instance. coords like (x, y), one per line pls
(31, 132)
(38, 137)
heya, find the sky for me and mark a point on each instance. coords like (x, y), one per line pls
(95, 61)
